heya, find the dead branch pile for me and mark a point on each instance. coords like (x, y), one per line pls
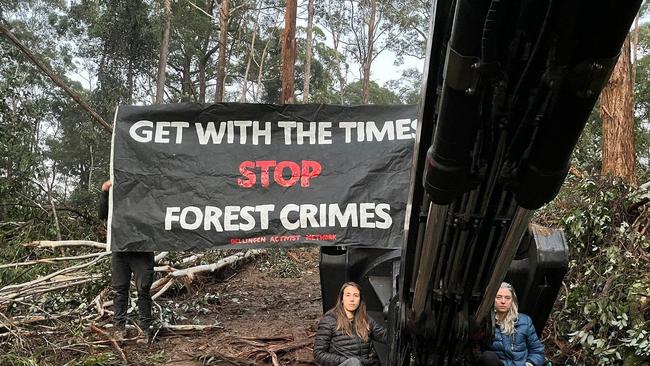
(279, 350)
(26, 295)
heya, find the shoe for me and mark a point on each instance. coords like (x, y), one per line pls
(149, 335)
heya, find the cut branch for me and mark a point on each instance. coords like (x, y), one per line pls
(65, 243)
(52, 275)
(50, 260)
(113, 342)
(215, 266)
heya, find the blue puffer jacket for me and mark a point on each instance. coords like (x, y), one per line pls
(519, 347)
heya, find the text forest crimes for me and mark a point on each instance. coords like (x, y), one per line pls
(292, 216)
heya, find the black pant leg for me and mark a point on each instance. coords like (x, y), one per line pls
(121, 281)
(489, 358)
(142, 266)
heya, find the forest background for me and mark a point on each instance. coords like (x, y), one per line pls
(54, 155)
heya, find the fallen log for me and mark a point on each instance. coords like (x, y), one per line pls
(191, 327)
(215, 266)
(23, 296)
(54, 274)
(51, 260)
(65, 243)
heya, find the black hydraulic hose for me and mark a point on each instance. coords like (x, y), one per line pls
(454, 246)
(489, 50)
(525, 74)
(491, 249)
(463, 246)
(486, 199)
(526, 127)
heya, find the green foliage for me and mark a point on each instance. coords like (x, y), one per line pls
(80, 148)
(99, 359)
(279, 263)
(587, 156)
(376, 94)
(407, 87)
(13, 360)
(412, 20)
(600, 320)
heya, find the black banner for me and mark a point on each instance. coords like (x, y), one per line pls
(199, 176)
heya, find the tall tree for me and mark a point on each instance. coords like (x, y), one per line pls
(164, 52)
(367, 62)
(616, 111)
(288, 53)
(332, 14)
(369, 33)
(205, 52)
(251, 56)
(377, 94)
(412, 19)
(308, 55)
(224, 20)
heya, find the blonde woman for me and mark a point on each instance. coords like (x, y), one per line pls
(345, 332)
(515, 341)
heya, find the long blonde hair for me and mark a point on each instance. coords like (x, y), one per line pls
(361, 325)
(507, 323)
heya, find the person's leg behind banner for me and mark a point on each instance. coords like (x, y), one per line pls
(120, 281)
(142, 265)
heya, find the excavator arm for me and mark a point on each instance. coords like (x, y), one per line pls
(508, 87)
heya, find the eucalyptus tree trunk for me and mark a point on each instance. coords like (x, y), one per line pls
(310, 26)
(334, 22)
(224, 19)
(164, 52)
(186, 78)
(251, 56)
(205, 56)
(617, 114)
(288, 53)
(256, 91)
(339, 72)
(367, 63)
(130, 80)
(201, 69)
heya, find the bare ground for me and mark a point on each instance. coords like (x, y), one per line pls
(262, 317)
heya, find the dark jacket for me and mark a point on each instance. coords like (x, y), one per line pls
(519, 347)
(332, 347)
(103, 206)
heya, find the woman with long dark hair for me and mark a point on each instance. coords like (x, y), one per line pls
(515, 341)
(345, 332)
